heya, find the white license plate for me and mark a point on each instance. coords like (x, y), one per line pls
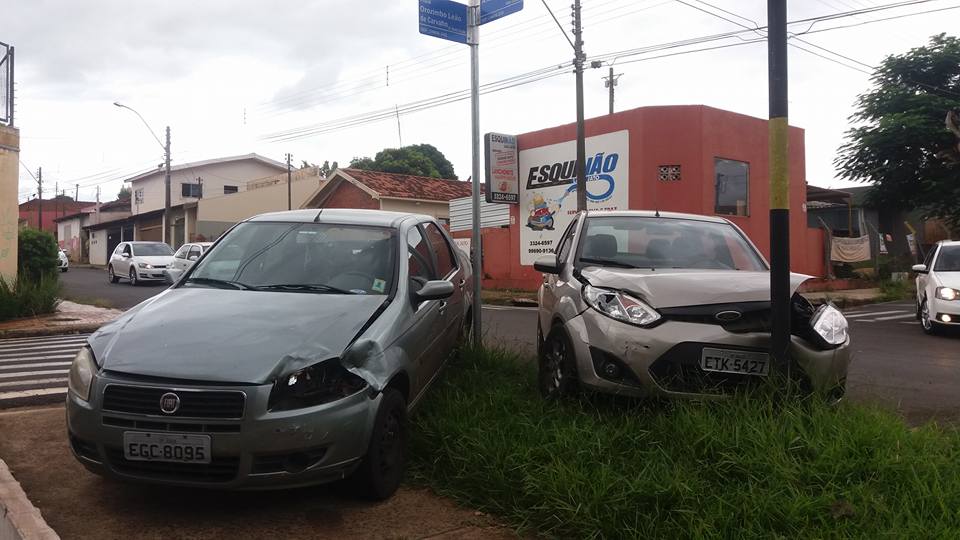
(730, 361)
(172, 447)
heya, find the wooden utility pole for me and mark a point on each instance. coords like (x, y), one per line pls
(289, 183)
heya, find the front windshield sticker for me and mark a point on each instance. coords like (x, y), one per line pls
(379, 285)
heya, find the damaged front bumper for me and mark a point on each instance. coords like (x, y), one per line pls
(665, 360)
(257, 449)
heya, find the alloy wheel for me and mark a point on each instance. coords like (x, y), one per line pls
(133, 277)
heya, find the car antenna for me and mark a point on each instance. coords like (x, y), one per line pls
(317, 218)
(656, 213)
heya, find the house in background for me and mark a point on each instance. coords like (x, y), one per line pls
(189, 183)
(74, 231)
(51, 209)
(376, 190)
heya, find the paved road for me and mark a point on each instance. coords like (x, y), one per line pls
(89, 284)
(34, 370)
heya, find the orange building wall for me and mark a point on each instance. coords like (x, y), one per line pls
(689, 136)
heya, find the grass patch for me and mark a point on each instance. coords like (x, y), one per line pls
(745, 468)
(896, 290)
(506, 297)
(98, 302)
(27, 297)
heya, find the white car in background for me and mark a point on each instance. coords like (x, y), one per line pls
(938, 287)
(139, 262)
(63, 263)
(184, 258)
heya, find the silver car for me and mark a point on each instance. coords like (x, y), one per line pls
(288, 355)
(139, 262)
(656, 304)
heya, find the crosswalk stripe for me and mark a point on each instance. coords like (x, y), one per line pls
(5, 369)
(33, 373)
(25, 359)
(892, 317)
(6, 396)
(7, 352)
(22, 342)
(873, 314)
(33, 382)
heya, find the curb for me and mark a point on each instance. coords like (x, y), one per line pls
(19, 518)
(51, 331)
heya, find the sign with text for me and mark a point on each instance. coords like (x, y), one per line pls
(548, 192)
(444, 19)
(502, 181)
(491, 10)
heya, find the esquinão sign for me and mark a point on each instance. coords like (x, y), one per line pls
(548, 188)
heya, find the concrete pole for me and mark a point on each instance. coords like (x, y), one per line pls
(581, 168)
(473, 40)
(166, 186)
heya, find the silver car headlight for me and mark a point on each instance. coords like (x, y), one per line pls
(314, 385)
(81, 374)
(620, 306)
(830, 325)
(947, 293)
(144, 265)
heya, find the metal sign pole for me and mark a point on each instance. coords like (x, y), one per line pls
(473, 40)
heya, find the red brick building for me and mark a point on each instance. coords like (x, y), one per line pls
(52, 209)
(693, 159)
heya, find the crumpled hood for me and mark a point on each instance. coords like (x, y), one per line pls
(678, 288)
(230, 336)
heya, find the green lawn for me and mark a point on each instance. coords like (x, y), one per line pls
(754, 467)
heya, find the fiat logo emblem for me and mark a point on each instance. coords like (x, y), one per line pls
(169, 403)
(728, 316)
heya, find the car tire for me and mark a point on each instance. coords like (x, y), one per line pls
(63, 270)
(133, 277)
(557, 368)
(111, 276)
(928, 325)
(382, 468)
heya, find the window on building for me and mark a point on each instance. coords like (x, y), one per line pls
(190, 190)
(138, 196)
(230, 189)
(732, 187)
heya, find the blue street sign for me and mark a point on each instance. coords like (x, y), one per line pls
(444, 19)
(491, 10)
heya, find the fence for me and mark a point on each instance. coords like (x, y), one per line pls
(6, 84)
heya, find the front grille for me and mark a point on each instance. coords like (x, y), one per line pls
(179, 427)
(193, 403)
(678, 370)
(754, 316)
(220, 468)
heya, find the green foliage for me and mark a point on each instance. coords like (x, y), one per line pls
(124, 193)
(747, 467)
(327, 168)
(902, 143)
(896, 290)
(37, 252)
(417, 159)
(27, 298)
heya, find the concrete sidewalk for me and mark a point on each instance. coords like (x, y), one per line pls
(70, 318)
(848, 298)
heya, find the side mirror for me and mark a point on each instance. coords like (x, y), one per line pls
(919, 268)
(125, 255)
(434, 290)
(547, 264)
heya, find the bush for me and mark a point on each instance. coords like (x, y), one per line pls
(37, 254)
(29, 298)
(747, 467)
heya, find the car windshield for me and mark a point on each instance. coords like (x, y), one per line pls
(948, 260)
(301, 257)
(652, 242)
(150, 250)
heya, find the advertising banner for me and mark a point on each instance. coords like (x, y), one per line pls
(502, 182)
(548, 189)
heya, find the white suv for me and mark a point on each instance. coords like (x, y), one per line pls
(139, 261)
(938, 287)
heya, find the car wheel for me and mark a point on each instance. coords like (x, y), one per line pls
(929, 326)
(64, 269)
(113, 277)
(557, 373)
(381, 470)
(133, 277)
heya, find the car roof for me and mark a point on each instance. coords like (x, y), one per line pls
(342, 216)
(654, 213)
(140, 242)
(949, 242)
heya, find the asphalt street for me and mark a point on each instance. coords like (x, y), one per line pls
(895, 363)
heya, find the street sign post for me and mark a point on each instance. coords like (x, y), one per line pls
(453, 21)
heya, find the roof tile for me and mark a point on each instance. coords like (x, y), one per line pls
(406, 186)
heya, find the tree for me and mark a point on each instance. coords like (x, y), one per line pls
(902, 143)
(417, 159)
(124, 193)
(327, 168)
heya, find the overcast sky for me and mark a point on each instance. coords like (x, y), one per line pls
(224, 74)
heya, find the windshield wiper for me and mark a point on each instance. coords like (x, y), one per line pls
(607, 262)
(214, 281)
(307, 287)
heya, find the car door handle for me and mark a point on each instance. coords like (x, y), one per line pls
(443, 307)
(462, 283)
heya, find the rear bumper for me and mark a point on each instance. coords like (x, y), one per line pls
(664, 360)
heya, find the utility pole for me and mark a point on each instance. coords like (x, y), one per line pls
(76, 192)
(779, 183)
(610, 82)
(289, 182)
(473, 40)
(166, 184)
(40, 198)
(578, 58)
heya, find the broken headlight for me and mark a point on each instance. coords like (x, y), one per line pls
(829, 325)
(315, 385)
(620, 306)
